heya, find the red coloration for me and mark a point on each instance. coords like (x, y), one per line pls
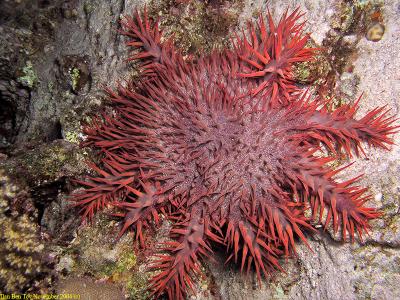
(226, 158)
(270, 54)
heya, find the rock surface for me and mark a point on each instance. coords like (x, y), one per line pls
(56, 55)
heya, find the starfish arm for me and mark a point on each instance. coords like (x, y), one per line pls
(144, 36)
(268, 56)
(182, 261)
(141, 209)
(259, 230)
(248, 237)
(100, 191)
(313, 182)
(130, 129)
(339, 130)
(285, 221)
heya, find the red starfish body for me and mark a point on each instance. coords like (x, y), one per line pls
(225, 147)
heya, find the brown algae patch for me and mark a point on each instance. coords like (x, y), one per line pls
(197, 25)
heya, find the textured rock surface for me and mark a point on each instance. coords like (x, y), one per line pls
(54, 57)
(88, 289)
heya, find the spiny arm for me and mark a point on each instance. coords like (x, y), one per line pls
(264, 228)
(100, 191)
(269, 54)
(250, 239)
(142, 206)
(145, 38)
(339, 130)
(177, 267)
(312, 181)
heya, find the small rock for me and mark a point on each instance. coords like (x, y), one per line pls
(375, 32)
(378, 197)
(350, 39)
(65, 264)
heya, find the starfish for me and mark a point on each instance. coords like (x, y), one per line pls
(229, 149)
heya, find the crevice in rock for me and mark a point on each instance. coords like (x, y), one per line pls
(54, 132)
(43, 195)
(14, 101)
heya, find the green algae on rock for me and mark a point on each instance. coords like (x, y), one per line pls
(94, 253)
